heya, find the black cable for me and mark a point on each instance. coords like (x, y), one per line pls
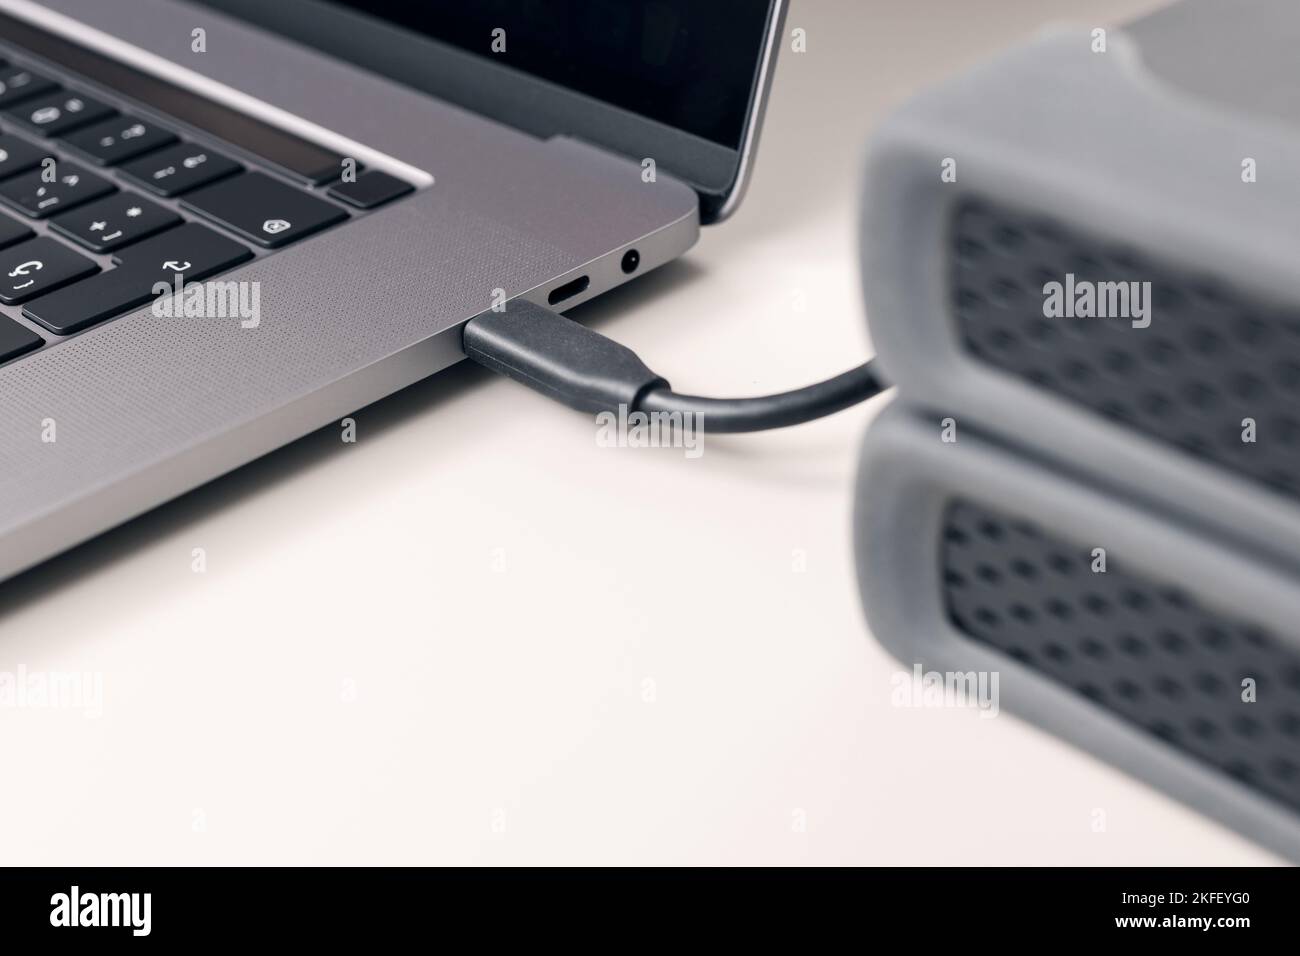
(587, 371)
(771, 411)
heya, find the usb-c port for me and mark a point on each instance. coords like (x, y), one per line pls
(568, 290)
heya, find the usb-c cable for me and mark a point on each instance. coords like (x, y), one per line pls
(585, 370)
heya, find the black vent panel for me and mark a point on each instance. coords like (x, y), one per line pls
(1210, 358)
(1149, 653)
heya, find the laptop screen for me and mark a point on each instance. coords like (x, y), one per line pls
(682, 81)
(686, 63)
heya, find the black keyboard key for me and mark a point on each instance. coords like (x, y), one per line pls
(111, 223)
(92, 300)
(17, 83)
(194, 252)
(180, 168)
(11, 231)
(371, 189)
(58, 111)
(18, 156)
(116, 140)
(16, 340)
(264, 210)
(39, 266)
(72, 185)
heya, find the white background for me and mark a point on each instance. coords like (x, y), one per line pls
(433, 646)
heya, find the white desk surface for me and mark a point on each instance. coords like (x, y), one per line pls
(436, 645)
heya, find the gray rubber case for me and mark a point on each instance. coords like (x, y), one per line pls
(1108, 145)
(907, 481)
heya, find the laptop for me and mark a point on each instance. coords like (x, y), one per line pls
(225, 224)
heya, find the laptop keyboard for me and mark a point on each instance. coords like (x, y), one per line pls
(100, 202)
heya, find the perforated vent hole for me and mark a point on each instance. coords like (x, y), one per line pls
(1150, 653)
(1210, 358)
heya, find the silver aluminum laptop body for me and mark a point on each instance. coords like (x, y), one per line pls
(106, 424)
